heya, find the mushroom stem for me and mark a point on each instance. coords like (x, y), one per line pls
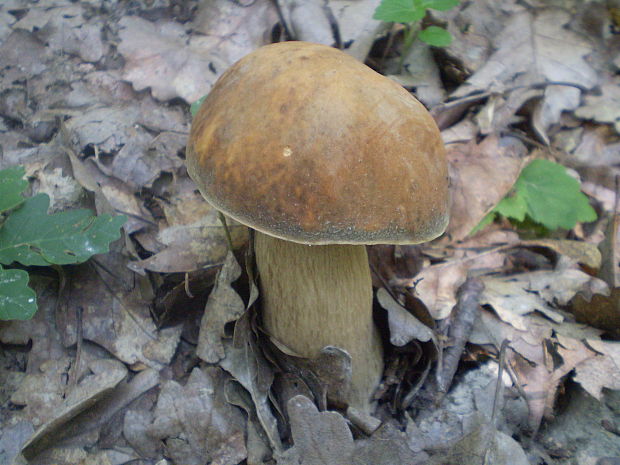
(320, 295)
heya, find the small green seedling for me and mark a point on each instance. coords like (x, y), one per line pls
(194, 107)
(410, 13)
(544, 198)
(29, 236)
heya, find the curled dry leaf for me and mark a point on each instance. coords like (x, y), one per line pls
(602, 370)
(224, 305)
(404, 327)
(246, 363)
(584, 253)
(438, 285)
(604, 108)
(513, 297)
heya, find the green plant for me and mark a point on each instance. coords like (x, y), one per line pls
(544, 198)
(29, 236)
(410, 13)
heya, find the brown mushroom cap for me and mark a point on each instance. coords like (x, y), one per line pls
(305, 143)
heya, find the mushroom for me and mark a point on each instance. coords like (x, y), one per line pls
(321, 155)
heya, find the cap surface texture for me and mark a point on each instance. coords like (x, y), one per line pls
(305, 143)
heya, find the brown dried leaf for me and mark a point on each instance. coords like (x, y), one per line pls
(116, 313)
(481, 175)
(404, 327)
(163, 57)
(580, 252)
(311, 428)
(224, 305)
(438, 285)
(535, 47)
(513, 297)
(196, 423)
(602, 370)
(604, 108)
(600, 311)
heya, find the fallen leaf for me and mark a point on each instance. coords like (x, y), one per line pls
(602, 370)
(163, 57)
(534, 48)
(106, 375)
(404, 327)
(513, 297)
(438, 283)
(244, 360)
(387, 446)
(115, 313)
(308, 21)
(604, 108)
(223, 306)
(476, 27)
(309, 428)
(599, 311)
(196, 423)
(581, 252)
(63, 26)
(471, 166)
(356, 26)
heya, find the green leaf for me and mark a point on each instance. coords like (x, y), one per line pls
(17, 300)
(435, 36)
(400, 11)
(554, 198)
(12, 184)
(547, 195)
(440, 5)
(32, 237)
(488, 219)
(193, 109)
(513, 206)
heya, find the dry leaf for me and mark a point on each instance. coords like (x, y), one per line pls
(534, 48)
(196, 423)
(311, 428)
(513, 297)
(604, 108)
(163, 57)
(245, 362)
(115, 313)
(602, 370)
(63, 26)
(224, 305)
(580, 252)
(438, 283)
(480, 176)
(404, 327)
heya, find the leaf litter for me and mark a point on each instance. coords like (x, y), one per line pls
(94, 105)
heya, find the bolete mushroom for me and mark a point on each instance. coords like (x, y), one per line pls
(320, 155)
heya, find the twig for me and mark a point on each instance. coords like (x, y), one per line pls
(222, 218)
(465, 313)
(498, 393)
(75, 369)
